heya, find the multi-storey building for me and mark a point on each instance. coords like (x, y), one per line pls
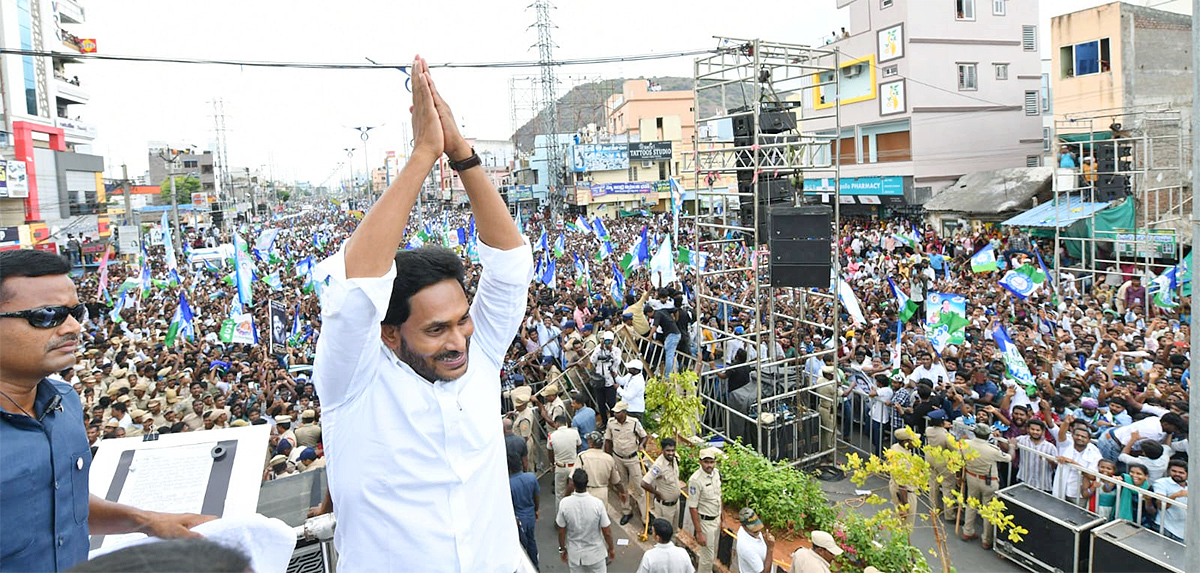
(56, 186)
(929, 92)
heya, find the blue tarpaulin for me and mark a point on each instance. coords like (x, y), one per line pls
(1061, 214)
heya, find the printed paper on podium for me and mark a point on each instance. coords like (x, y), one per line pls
(214, 472)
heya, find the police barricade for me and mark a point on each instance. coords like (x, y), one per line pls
(866, 422)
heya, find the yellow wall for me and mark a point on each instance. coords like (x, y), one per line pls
(1094, 91)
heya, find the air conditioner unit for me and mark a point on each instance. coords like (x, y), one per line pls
(647, 164)
(853, 71)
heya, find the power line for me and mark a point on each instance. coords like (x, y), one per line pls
(358, 66)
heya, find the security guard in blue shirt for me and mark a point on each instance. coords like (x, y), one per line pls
(45, 458)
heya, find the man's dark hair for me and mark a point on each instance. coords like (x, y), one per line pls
(200, 555)
(29, 263)
(580, 479)
(562, 420)
(120, 407)
(667, 443)
(1175, 420)
(663, 530)
(578, 398)
(1176, 462)
(417, 269)
(1151, 449)
(1037, 422)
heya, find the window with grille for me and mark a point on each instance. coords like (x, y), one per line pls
(1045, 139)
(1029, 38)
(998, 7)
(1001, 71)
(885, 4)
(1033, 161)
(1031, 103)
(966, 77)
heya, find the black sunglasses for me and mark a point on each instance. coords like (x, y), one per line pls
(49, 316)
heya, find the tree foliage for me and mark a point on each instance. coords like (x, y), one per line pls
(184, 187)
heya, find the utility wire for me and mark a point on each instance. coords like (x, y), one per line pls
(357, 66)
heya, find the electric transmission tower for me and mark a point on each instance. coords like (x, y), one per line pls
(224, 186)
(548, 102)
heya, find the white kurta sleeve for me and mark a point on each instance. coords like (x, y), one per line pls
(348, 347)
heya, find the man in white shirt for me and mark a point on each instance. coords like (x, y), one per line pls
(632, 388)
(665, 557)
(1073, 454)
(403, 355)
(584, 531)
(754, 545)
(935, 373)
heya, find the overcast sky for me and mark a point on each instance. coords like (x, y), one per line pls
(298, 120)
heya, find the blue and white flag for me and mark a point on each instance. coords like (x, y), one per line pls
(548, 274)
(583, 225)
(618, 286)
(1015, 365)
(984, 260)
(541, 244)
(243, 272)
(598, 227)
(1022, 281)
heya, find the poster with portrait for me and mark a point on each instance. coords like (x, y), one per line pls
(945, 319)
(891, 43)
(279, 326)
(892, 98)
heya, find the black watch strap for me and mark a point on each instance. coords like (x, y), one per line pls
(467, 163)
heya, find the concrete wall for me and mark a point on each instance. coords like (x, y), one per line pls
(1091, 92)
(1161, 43)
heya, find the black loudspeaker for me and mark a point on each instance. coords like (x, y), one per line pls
(218, 216)
(801, 245)
(769, 190)
(768, 122)
(1058, 531)
(1123, 547)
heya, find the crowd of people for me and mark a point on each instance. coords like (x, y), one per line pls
(1110, 367)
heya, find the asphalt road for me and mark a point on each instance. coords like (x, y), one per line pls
(627, 556)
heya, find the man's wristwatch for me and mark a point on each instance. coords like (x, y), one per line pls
(467, 163)
(561, 550)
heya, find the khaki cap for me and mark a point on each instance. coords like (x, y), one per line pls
(112, 423)
(141, 386)
(277, 460)
(709, 453)
(165, 371)
(285, 419)
(621, 406)
(521, 395)
(123, 399)
(238, 423)
(309, 414)
(172, 396)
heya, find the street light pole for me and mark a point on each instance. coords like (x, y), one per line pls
(362, 130)
(350, 169)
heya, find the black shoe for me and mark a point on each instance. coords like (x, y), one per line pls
(625, 518)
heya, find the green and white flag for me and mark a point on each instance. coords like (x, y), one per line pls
(984, 260)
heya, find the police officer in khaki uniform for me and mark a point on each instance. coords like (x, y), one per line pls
(937, 435)
(662, 481)
(982, 481)
(525, 422)
(551, 406)
(563, 445)
(704, 507)
(156, 411)
(284, 425)
(623, 437)
(601, 469)
(309, 434)
(902, 496)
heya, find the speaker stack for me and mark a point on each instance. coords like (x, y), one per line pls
(1112, 163)
(801, 245)
(770, 188)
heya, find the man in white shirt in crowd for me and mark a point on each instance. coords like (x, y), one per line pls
(632, 388)
(1074, 453)
(584, 531)
(754, 544)
(665, 557)
(404, 354)
(927, 369)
